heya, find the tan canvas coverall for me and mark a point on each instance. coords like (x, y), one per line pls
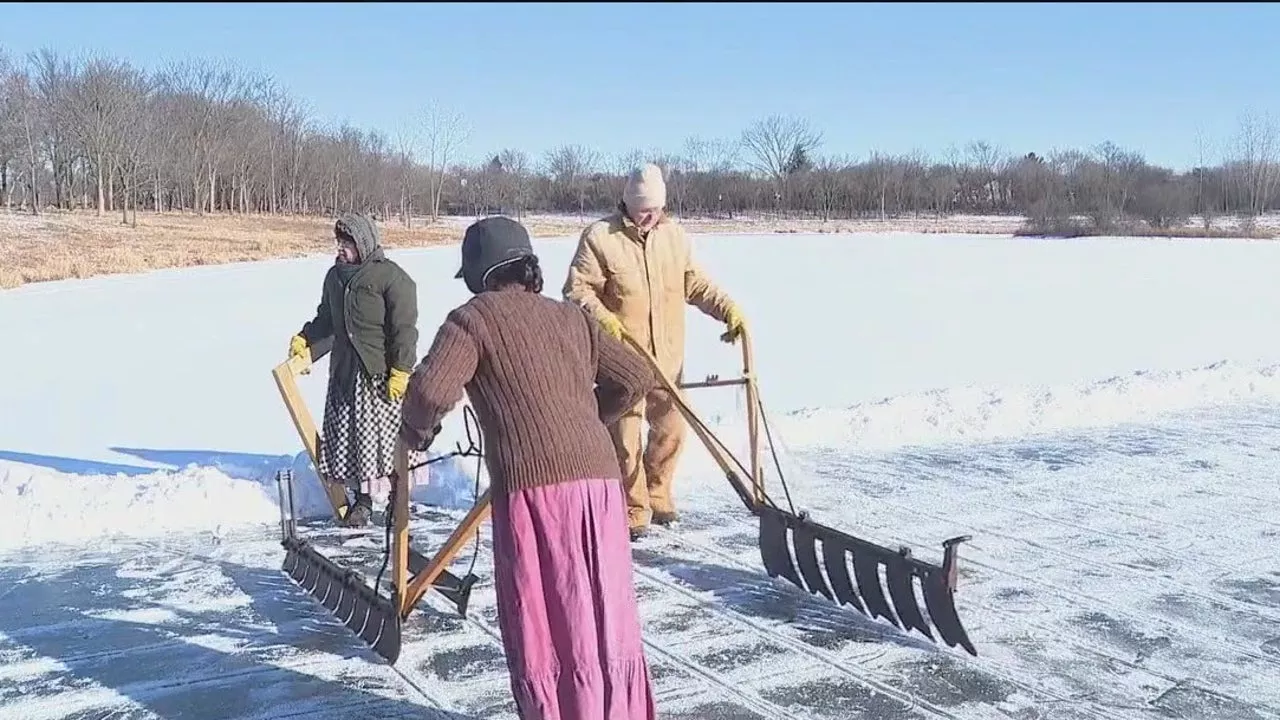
(647, 283)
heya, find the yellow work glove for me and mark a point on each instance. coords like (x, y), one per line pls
(397, 383)
(733, 321)
(612, 325)
(298, 348)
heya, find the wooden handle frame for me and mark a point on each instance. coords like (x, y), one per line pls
(751, 491)
(285, 375)
(410, 587)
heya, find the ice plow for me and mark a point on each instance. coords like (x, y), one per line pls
(790, 541)
(816, 558)
(374, 616)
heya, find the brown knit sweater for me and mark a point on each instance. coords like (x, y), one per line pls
(530, 366)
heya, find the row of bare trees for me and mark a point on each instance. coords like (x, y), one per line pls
(202, 137)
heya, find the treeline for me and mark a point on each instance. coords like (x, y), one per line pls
(203, 137)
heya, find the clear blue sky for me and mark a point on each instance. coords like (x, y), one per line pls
(615, 77)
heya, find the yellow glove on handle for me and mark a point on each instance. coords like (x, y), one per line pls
(733, 321)
(298, 348)
(397, 383)
(612, 325)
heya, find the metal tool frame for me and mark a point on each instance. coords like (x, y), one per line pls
(375, 618)
(413, 574)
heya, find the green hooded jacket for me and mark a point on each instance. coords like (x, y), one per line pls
(370, 309)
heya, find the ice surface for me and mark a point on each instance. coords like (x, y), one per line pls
(1099, 414)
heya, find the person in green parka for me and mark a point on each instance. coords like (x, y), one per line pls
(369, 305)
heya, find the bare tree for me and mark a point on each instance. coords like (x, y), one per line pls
(133, 148)
(981, 180)
(296, 127)
(26, 124)
(93, 108)
(1121, 169)
(694, 162)
(286, 120)
(443, 134)
(1205, 207)
(516, 189)
(1253, 165)
(697, 154)
(7, 133)
(828, 184)
(407, 139)
(722, 160)
(775, 143)
(205, 92)
(207, 137)
(624, 162)
(570, 168)
(941, 186)
(50, 77)
(886, 174)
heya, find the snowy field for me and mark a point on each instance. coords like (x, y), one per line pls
(1102, 415)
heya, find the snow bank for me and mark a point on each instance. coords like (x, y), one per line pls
(47, 506)
(50, 506)
(977, 413)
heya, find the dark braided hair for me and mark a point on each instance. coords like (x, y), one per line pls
(525, 272)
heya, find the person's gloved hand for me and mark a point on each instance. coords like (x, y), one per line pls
(298, 348)
(612, 325)
(397, 383)
(733, 321)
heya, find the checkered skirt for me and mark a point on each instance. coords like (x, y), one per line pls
(358, 434)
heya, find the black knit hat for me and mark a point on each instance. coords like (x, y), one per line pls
(490, 243)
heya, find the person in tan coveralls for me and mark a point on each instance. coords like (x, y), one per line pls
(634, 271)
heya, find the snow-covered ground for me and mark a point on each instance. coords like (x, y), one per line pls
(1100, 414)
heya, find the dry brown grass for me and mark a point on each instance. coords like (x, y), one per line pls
(58, 246)
(772, 224)
(63, 245)
(1175, 233)
(1198, 233)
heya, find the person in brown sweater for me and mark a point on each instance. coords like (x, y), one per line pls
(545, 381)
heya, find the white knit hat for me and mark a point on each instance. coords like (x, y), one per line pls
(645, 188)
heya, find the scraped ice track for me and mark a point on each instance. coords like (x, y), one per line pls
(694, 678)
(1132, 568)
(1122, 572)
(164, 630)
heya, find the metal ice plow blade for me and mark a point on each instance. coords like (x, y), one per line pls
(823, 556)
(345, 594)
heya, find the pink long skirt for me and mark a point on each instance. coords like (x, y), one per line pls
(567, 605)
